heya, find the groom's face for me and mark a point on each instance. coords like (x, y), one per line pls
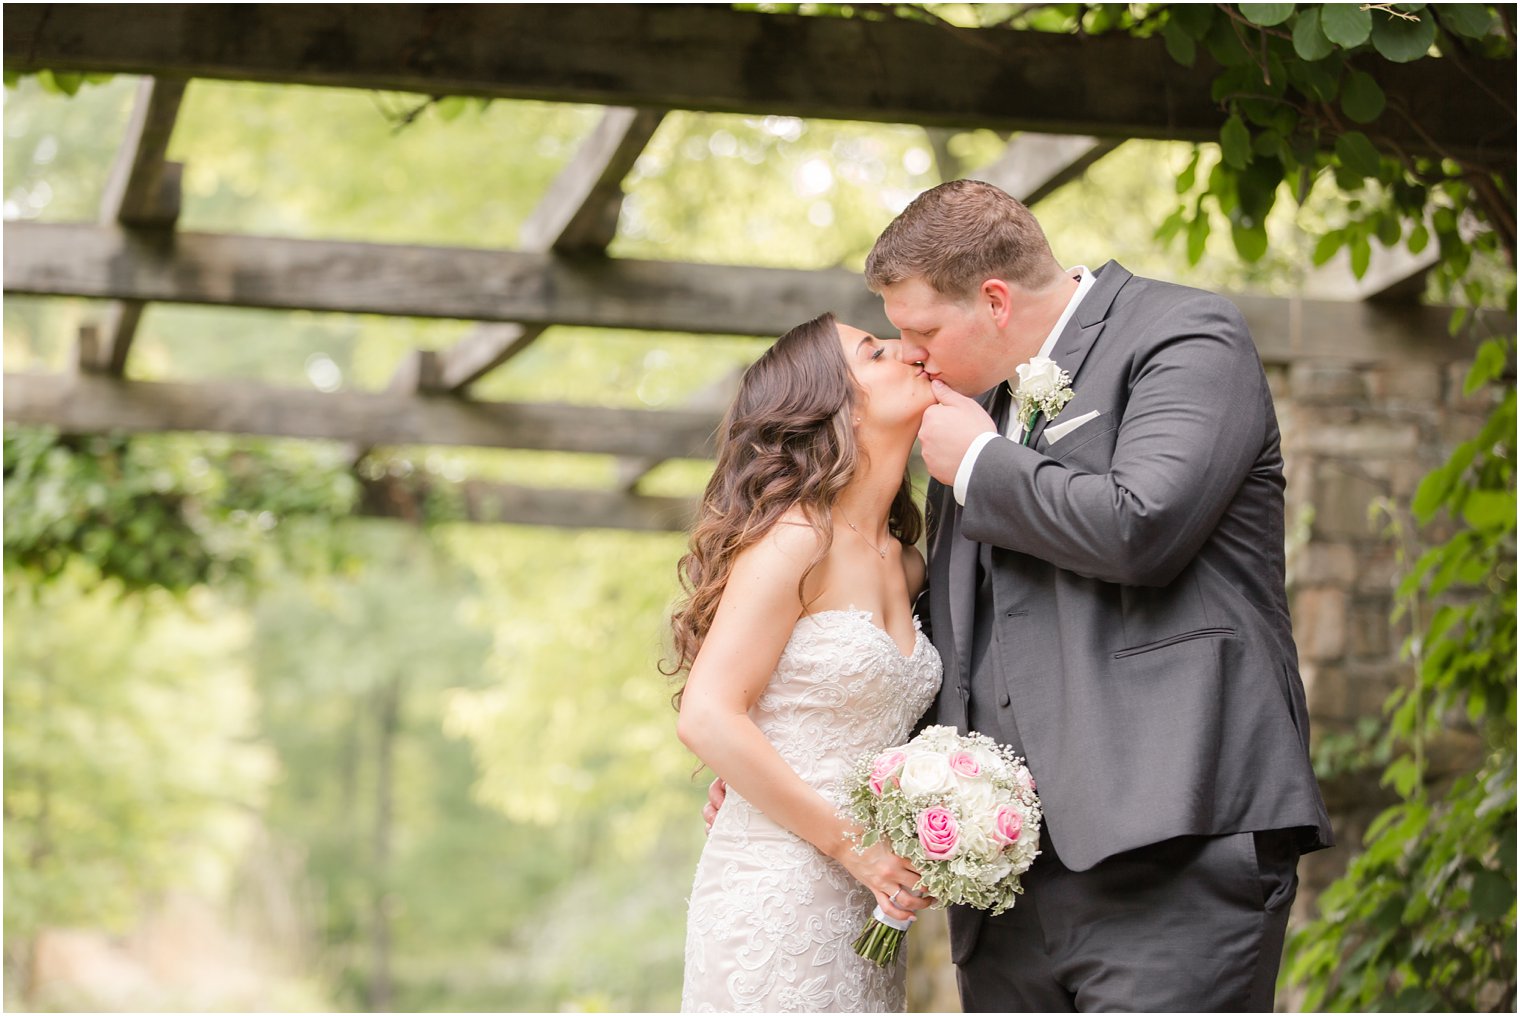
(956, 339)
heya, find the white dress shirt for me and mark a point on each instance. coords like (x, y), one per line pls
(1085, 280)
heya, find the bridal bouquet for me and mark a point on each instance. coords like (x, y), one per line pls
(961, 809)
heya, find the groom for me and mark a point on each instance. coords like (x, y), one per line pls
(1106, 591)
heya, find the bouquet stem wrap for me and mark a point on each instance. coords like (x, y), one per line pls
(882, 938)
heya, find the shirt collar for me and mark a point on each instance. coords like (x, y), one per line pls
(1085, 279)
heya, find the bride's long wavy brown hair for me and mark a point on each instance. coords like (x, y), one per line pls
(786, 441)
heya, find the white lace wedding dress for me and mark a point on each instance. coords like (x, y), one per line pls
(772, 921)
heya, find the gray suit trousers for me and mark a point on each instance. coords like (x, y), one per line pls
(1192, 924)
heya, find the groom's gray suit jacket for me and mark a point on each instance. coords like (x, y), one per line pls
(1141, 630)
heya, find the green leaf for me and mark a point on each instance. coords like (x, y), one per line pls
(1345, 24)
(1492, 895)
(1195, 19)
(1235, 142)
(1362, 98)
(66, 83)
(1189, 174)
(1402, 41)
(1328, 244)
(1172, 225)
(1389, 229)
(450, 106)
(1267, 15)
(1222, 187)
(1403, 774)
(1271, 144)
(1357, 154)
(1477, 705)
(1224, 44)
(1309, 40)
(1250, 241)
(1361, 255)
(1182, 47)
(1470, 20)
(1489, 509)
(1257, 189)
(1459, 317)
(1488, 364)
(1198, 235)
(1419, 238)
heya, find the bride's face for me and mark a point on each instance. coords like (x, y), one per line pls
(896, 393)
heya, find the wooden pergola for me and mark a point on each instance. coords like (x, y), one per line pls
(1072, 99)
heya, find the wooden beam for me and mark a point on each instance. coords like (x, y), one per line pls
(711, 57)
(241, 271)
(90, 404)
(579, 214)
(1359, 332)
(488, 345)
(1035, 165)
(536, 289)
(143, 190)
(477, 501)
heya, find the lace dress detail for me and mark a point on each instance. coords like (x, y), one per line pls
(772, 921)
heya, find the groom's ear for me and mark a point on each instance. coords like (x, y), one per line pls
(995, 298)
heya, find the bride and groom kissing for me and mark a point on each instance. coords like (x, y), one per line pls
(1103, 592)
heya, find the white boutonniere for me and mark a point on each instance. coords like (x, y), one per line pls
(1043, 388)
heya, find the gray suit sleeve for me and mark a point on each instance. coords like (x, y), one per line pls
(1194, 423)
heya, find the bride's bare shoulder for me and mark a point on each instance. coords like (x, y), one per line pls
(788, 547)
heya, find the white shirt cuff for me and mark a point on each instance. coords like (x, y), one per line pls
(963, 474)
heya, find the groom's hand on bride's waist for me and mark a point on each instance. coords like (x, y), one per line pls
(716, 792)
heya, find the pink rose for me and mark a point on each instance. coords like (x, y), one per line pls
(885, 768)
(1008, 826)
(963, 763)
(938, 833)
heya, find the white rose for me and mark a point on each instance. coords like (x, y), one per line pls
(977, 839)
(926, 773)
(1039, 376)
(979, 798)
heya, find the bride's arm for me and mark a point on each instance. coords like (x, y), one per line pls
(750, 628)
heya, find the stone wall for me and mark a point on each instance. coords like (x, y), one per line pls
(1357, 439)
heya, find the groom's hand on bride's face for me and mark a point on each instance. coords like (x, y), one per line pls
(948, 430)
(716, 792)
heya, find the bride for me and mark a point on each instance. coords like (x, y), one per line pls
(802, 655)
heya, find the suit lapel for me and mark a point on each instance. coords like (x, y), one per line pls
(1081, 332)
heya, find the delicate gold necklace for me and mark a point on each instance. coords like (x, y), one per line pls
(863, 536)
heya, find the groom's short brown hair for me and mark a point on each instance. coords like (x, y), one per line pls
(959, 234)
